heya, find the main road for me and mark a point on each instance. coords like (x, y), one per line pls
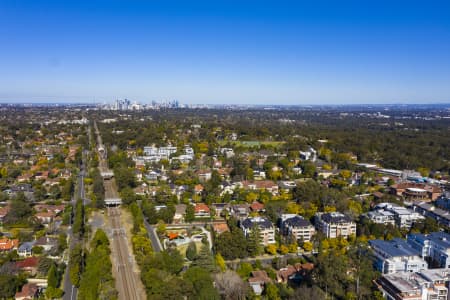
(71, 291)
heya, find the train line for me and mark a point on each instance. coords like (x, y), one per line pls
(127, 281)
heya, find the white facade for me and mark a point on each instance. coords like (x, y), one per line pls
(300, 228)
(396, 256)
(266, 228)
(335, 225)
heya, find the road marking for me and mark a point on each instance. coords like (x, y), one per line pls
(71, 294)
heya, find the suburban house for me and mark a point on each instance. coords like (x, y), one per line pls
(49, 208)
(257, 206)
(260, 185)
(335, 224)
(220, 208)
(7, 244)
(294, 273)
(297, 226)
(204, 175)
(227, 188)
(45, 217)
(220, 228)
(25, 249)
(180, 211)
(396, 256)
(28, 265)
(198, 189)
(240, 211)
(201, 210)
(258, 280)
(46, 242)
(3, 212)
(29, 291)
(266, 228)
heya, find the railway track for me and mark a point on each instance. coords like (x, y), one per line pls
(127, 277)
(127, 281)
(123, 264)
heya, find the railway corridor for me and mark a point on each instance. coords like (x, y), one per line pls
(128, 282)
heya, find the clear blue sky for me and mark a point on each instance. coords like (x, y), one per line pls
(253, 52)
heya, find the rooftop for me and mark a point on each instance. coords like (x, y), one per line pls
(394, 248)
(335, 217)
(258, 221)
(296, 221)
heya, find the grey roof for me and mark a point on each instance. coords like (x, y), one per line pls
(180, 208)
(439, 238)
(410, 282)
(405, 281)
(26, 246)
(335, 217)
(42, 241)
(434, 210)
(220, 205)
(258, 221)
(395, 247)
(296, 221)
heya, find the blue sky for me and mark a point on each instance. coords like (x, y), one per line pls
(243, 52)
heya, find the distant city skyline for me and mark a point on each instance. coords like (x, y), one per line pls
(225, 52)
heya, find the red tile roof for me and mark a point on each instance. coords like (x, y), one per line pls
(29, 262)
(221, 227)
(256, 206)
(201, 207)
(28, 291)
(7, 244)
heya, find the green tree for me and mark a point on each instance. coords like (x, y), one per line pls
(44, 265)
(203, 288)
(204, 259)
(20, 210)
(220, 262)
(52, 277)
(53, 293)
(190, 213)
(191, 251)
(271, 292)
(254, 241)
(62, 242)
(9, 284)
(97, 281)
(244, 270)
(75, 265)
(232, 244)
(128, 196)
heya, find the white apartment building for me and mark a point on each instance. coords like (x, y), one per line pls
(388, 213)
(335, 224)
(396, 256)
(423, 285)
(299, 227)
(266, 228)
